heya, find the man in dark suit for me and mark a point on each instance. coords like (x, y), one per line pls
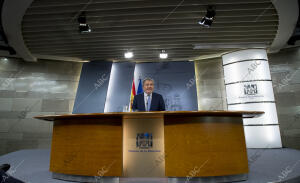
(148, 101)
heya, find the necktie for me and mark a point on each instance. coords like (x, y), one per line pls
(148, 103)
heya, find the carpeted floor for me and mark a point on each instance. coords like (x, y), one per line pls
(266, 165)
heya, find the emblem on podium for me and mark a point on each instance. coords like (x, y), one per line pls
(144, 140)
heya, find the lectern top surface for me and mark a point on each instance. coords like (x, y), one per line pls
(245, 114)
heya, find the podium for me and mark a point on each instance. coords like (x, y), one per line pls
(179, 145)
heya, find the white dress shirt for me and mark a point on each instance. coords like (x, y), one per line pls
(146, 100)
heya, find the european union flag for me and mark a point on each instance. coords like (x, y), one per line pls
(140, 87)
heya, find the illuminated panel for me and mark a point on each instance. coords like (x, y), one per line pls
(249, 87)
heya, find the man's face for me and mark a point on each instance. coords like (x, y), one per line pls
(148, 87)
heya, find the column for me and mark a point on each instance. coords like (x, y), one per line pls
(248, 86)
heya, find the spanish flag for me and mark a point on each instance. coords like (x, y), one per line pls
(132, 95)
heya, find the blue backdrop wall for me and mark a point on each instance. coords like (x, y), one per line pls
(106, 87)
(119, 88)
(92, 87)
(173, 82)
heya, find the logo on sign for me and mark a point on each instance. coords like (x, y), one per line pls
(250, 89)
(144, 140)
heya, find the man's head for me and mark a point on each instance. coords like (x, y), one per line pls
(148, 85)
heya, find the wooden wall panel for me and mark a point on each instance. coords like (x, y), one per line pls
(90, 147)
(204, 146)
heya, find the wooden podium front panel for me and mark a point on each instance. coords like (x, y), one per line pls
(204, 146)
(88, 147)
(143, 161)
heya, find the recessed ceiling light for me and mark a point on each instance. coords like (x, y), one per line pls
(163, 54)
(4, 60)
(128, 54)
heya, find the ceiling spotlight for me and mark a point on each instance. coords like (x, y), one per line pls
(208, 19)
(128, 54)
(163, 54)
(83, 26)
(4, 59)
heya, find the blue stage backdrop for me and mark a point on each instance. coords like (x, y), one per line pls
(92, 87)
(175, 81)
(119, 88)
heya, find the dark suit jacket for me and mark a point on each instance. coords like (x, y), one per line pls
(157, 103)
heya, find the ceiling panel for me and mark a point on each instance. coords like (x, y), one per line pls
(145, 27)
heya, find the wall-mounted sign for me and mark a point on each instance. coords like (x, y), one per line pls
(249, 92)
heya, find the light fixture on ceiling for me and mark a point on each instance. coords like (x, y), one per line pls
(83, 26)
(5, 60)
(128, 54)
(208, 19)
(84, 61)
(163, 54)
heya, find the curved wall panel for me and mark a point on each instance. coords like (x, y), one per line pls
(249, 87)
(270, 116)
(247, 71)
